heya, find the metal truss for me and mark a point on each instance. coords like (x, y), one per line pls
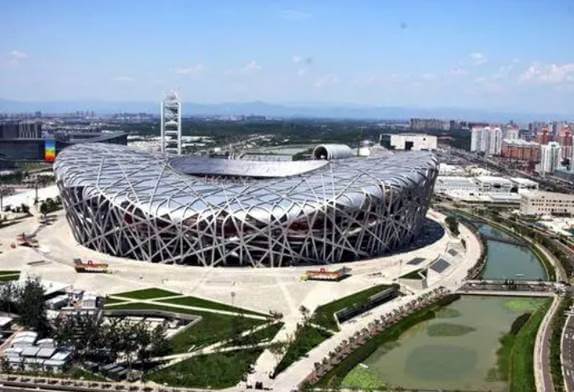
(133, 204)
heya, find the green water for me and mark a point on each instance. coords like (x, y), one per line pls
(508, 261)
(455, 350)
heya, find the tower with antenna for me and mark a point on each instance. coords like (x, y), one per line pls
(171, 124)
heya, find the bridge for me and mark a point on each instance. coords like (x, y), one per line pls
(518, 288)
(511, 241)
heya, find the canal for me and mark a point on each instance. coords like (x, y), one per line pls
(509, 261)
(456, 350)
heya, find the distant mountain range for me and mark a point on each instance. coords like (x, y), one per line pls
(335, 111)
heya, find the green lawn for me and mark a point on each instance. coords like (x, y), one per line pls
(306, 338)
(111, 301)
(9, 277)
(9, 272)
(263, 335)
(151, 293)
(216, 371)
(207, 304)
(416, 274)
(212, 328)
(325, 315)
(521, 367)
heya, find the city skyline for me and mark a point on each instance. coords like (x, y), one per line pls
(496, 56)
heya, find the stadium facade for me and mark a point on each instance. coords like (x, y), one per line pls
(216, 212)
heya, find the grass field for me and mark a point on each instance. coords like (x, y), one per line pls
(207, 304)
(416, 274)
(151, 293)
(264, 335)
(325, 315)
(9, 275)
(521, 367)
(9, 278)
(214, 371)
(306, 338)
(212, 328)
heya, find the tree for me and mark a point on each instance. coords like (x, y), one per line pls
(25, 209)
(160, 345)
(43, 209)
(452, 224)
(32, 308)
(305, 313)
(8, 297)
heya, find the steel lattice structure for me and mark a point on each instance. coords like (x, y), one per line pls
(197, 211)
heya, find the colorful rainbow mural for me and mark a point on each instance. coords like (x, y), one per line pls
(50, 150)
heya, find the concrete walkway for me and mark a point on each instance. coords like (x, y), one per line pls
(542, 374)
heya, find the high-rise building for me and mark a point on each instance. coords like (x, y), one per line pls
(486, 139)
(171, 124)
(543, 136)
(550, 157)
(511, 132)
(20, 130)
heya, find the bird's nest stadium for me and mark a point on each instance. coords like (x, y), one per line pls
(219, 212)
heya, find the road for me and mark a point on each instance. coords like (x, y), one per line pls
(567, 349)
(542, 372)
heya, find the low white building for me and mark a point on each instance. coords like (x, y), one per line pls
(483, 189)
(446, 184)
(26, 354)
(524, 184)
(487, 184)
(445, 169)
(413, 142)
(546, 203)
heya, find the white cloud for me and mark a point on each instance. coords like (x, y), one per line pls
(294, 15)
(302, 60)
(458, 71)
(326, 81)
(428, 76)
(477, 58)
(548, 73)
(17, 56)
(303, 64)
(193, 70)
(124, 79)
(251, 67)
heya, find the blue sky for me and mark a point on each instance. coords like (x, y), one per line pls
(509, 55)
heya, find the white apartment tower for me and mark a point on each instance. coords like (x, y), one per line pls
(550, 156)
(171, 124)
(486, 139)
